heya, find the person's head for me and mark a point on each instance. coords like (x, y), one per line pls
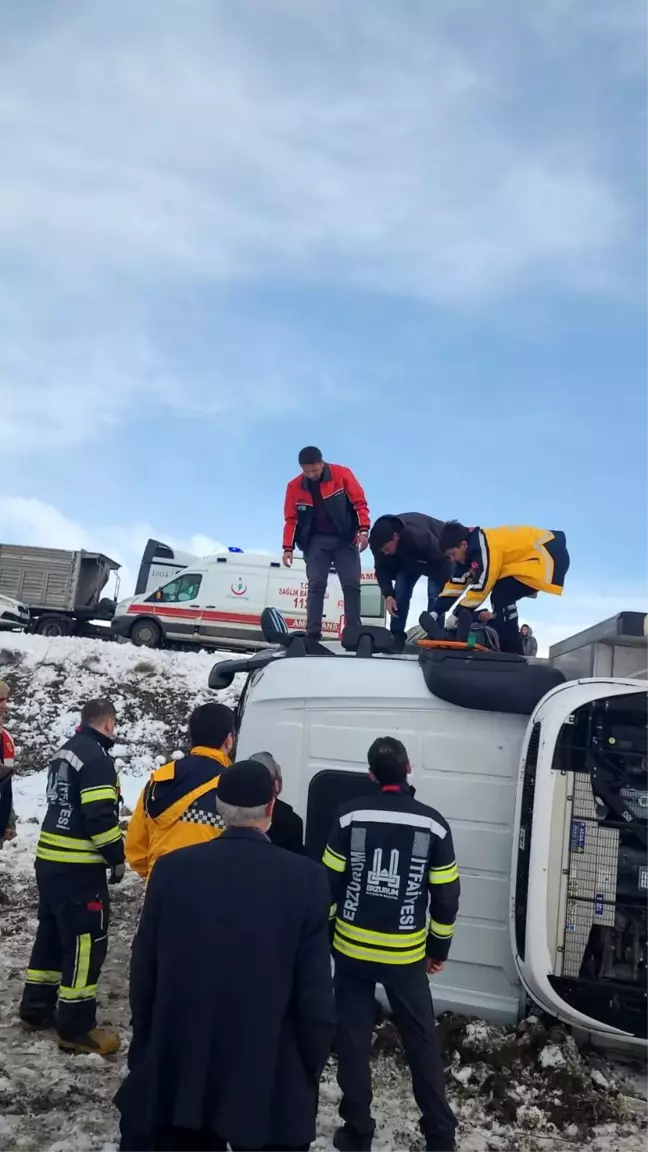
(388, 761)
(311, 462)
(245, 796)
(212, 726)
(525, 630)
(385, 535)
(4, 701)
(267, 759)
(100, 715)
(453, 541)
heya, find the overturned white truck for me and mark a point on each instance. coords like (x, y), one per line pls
(542, 778)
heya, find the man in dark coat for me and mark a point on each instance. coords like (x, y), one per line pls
(406, 547)
(287, 828)
(231, 989)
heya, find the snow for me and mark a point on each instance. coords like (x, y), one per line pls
(525, 1089)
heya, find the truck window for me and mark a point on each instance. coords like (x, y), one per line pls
(184, 587)
(372, 603)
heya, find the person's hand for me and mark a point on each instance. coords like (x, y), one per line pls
(287, 559)
(484, 617)
(433, 967)
(117, 874)
(10, 834)
(362, 541)
(391, 606)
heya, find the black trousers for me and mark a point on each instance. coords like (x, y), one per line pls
(189, 1140)
(69, 949)
(408, 991)
(504, 598)
(322, 552)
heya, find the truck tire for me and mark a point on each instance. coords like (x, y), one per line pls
(146, 633)
(52, 626)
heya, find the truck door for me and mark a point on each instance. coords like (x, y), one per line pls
(579, 877)
(175, 606)
(235, 601)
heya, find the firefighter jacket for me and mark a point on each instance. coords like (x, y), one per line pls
(7, 760)
(534, 556)
(343, 498)
(391, 860)
(81, 825)
(176, 809)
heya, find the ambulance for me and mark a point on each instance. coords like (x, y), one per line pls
(217, 601)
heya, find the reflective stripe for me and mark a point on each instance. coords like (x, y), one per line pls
(108, 837)
(70, 842)
(82, 962)
(89, 795)
(87, 993)
(386, 939)
(377, 955)
(441, 930)
(68, 857)
(378, 816)
(333, 861)
(41, 976)
(444, 875)
(70, 757)
(332, 911)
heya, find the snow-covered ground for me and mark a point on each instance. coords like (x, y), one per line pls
(525, 1089)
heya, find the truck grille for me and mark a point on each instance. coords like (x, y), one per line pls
(524, 847)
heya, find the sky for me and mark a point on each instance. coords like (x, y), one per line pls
(413, 235)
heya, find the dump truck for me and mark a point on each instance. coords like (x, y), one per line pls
(61, 588)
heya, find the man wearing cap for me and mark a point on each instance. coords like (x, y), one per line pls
(231, 990)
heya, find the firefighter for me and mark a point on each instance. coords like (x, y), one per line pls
(80, 838)
(178, 805)
(327, 517)
(389, 859)
(506, 564)
(7, 759)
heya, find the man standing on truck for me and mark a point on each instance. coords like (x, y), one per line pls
(406, 547)
(390, 859)
(506, 564)
(327, 518)
(80, 838)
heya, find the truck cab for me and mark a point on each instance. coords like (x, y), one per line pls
(543, 782)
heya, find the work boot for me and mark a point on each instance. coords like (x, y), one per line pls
(99, 1040)
(431, 626)
(399, 640)
(464, 624)
(346, 1139)
(36, 1024)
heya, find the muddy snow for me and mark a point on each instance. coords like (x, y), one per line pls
(528, 1088)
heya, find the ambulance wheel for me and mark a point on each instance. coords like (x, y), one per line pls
(146, 634)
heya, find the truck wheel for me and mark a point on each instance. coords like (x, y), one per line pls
(146, 634)
(52, 626)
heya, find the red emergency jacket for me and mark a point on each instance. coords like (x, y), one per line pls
(345, 501)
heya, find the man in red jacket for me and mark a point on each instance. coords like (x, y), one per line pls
(328, 520)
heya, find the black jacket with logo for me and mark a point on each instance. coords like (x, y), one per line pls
(81, 825)
(390, 860)
(417, 552)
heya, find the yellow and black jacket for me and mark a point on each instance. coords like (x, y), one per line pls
(534, 556)
(176, 809)
(390, 860)
(81, 825)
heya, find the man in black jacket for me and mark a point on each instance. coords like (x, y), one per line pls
(287, 828)
(406, 547)
(80, 838)
(231, 990)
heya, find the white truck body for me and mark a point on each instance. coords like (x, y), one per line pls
(509, 786)
(217, 601)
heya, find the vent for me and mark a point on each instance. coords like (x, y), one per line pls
(524, 846)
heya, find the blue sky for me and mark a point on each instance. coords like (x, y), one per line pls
(413, 234)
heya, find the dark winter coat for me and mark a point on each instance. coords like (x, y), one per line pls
(231, 993)
(417, 552)
(529, 642)
(287, 828)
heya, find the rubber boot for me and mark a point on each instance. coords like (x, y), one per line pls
(99, 1040)
(346, 1139)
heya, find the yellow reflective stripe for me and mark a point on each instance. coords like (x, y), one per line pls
(332, 911)
(89, 795)
(70, 842)
(87, 993)
(42, 976)
(441, 930)
(386, 939)
(378, 955)
(444, 875)
(108, 837)
(333, 861)
(69, 857)
(82, 962)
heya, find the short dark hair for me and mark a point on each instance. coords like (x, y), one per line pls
(96, 711)
(383, 531)
(210, 725)
(388, 760)
(310, 455)
(452, 535)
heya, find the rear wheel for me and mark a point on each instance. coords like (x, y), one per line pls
(52, 626)
(146, 634)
